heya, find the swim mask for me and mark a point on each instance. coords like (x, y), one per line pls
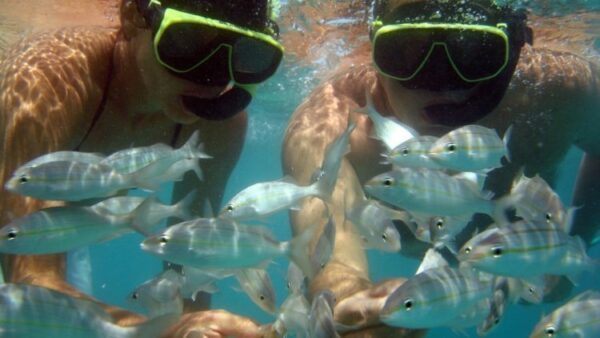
(216, 52)
(442, 45)
(475, 52)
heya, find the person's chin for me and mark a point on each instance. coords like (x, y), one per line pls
(179, 113)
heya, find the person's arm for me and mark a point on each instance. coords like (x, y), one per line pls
(314, 125)
(586, 196)
(50, 87)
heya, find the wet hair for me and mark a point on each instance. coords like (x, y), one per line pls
(256, 15)
(489, 93)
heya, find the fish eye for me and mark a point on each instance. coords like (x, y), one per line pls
(388, 182)
(229, 207)
(548, 217)
(163, 240)
(408, 304)
(384, 237)
(497, 251)
(496, 321)
(405, 151)
(11, 234)
(550, 331)
(134, 295)
(451, 147)
(468, 250)
(23, 179)
(439, 224)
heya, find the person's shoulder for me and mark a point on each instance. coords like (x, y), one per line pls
(86, 40)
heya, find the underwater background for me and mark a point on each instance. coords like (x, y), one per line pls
(116, 267)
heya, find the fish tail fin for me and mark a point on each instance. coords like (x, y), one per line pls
(153, 328)
(193, 148)
(198, 170)
(183, 208)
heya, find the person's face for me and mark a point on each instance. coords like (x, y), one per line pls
(409, 104)
(166, 89)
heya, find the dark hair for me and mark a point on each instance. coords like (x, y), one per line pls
(251, 14)
(489, 93)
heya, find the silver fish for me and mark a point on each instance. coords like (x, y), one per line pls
(434, 297)
(414, 153)
(147, 212)
(444, 229)
(431, 192)
(577, 318)
(258, 286)
(161, 155)
(388, 130)
(32, 311)
(263, 199)
(214, 243)
(159, 295)
(520, 249)
(73, 181)
(60, 229)
(535, 201)
(470, 148)
(374, 224)
(332, 159)
(293, 316)
(321, 316)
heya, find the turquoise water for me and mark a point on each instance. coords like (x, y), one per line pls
(119, 266)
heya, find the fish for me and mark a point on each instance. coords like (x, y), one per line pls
(431, 192)
(332, 160)
(33, 311)
(202, 280)
(535, 201)
(159, 295)
(470, 148)
(373, 223)
(258, 286)
(60, 229)
(146, 212)
(162, 156)
(507, 291)
(388, 130)
(434, 297)
(576, 318)
(266, 198)
(321, 316)
(293, 316)
(444, 229)
(414, 153)
(216, 243)
(522, 249)
(74, 181)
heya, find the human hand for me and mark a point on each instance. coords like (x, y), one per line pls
(360, 312)
(216, 324)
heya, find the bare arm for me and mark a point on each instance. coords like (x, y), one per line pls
(50, 85)
(315, 124)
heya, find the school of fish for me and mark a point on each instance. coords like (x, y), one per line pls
(434, 188)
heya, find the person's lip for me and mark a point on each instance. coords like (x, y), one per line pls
(193, 101)
(448, 97)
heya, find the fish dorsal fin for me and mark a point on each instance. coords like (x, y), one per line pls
(432, 260)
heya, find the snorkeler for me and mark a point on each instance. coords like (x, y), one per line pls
(172, 68)
(435, 66)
